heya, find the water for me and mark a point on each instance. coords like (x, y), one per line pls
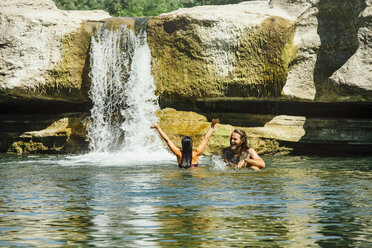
(123, 94)
(87, 201)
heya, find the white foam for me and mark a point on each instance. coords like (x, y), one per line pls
(124, 100)
(122, 159)
(217, 163)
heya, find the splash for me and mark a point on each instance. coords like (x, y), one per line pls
(123, 95)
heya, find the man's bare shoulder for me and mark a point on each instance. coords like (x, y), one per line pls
(253, 154)
(251, 150)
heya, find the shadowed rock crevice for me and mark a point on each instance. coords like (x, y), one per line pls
(355, 110)
(338, 25)
(22, 133)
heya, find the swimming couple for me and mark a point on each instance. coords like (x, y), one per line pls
(238, 155)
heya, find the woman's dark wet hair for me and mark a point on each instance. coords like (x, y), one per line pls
(243, 136)
(186, 152)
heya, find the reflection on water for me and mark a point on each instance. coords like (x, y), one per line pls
(295, 202)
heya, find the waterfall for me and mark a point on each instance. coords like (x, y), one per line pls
(123, 94)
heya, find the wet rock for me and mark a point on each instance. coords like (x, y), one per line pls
(66, 135)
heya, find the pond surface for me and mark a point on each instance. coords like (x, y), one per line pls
(297, 201)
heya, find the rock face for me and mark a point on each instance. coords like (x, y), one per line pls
(308, 49)
(333, 40)
(354, 79)
(232, 50)
(44, 50)
(66, 135)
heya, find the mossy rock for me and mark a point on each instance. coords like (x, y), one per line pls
(70, 80)
(182, 69)
(67, 135)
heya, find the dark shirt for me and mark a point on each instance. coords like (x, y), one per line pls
(228, 154)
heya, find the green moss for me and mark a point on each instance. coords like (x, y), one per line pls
(181, 71)
(30, 147)
(115, 23)
(69, 79)
(261, 69)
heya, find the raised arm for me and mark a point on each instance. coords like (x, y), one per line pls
(170, 144)
(202, 145)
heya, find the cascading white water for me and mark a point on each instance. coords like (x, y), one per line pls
(123, 94)
(141, 101)
(108, 67)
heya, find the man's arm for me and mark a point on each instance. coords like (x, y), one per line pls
(252, 161)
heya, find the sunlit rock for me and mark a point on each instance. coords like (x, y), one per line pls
(333, 61)
(353, 81)
(232, 50)
(44, 50)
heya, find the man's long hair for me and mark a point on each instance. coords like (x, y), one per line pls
(243, 137)
(186, 152)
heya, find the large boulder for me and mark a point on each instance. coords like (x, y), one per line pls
(232, 50)
(353, 81)
(44, 51)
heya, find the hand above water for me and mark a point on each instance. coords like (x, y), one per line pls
(155, 125)
(214, 122)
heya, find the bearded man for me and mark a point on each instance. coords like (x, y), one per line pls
(239, 154)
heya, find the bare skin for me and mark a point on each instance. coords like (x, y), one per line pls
(251, 160)
(196, 152)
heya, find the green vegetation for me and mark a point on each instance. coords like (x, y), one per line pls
(137, 7)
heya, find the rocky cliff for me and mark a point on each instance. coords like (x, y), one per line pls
(333, 40)
(302, 70)
(232, 50)
(43, 52)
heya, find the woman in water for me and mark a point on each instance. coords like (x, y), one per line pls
(187, 157)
